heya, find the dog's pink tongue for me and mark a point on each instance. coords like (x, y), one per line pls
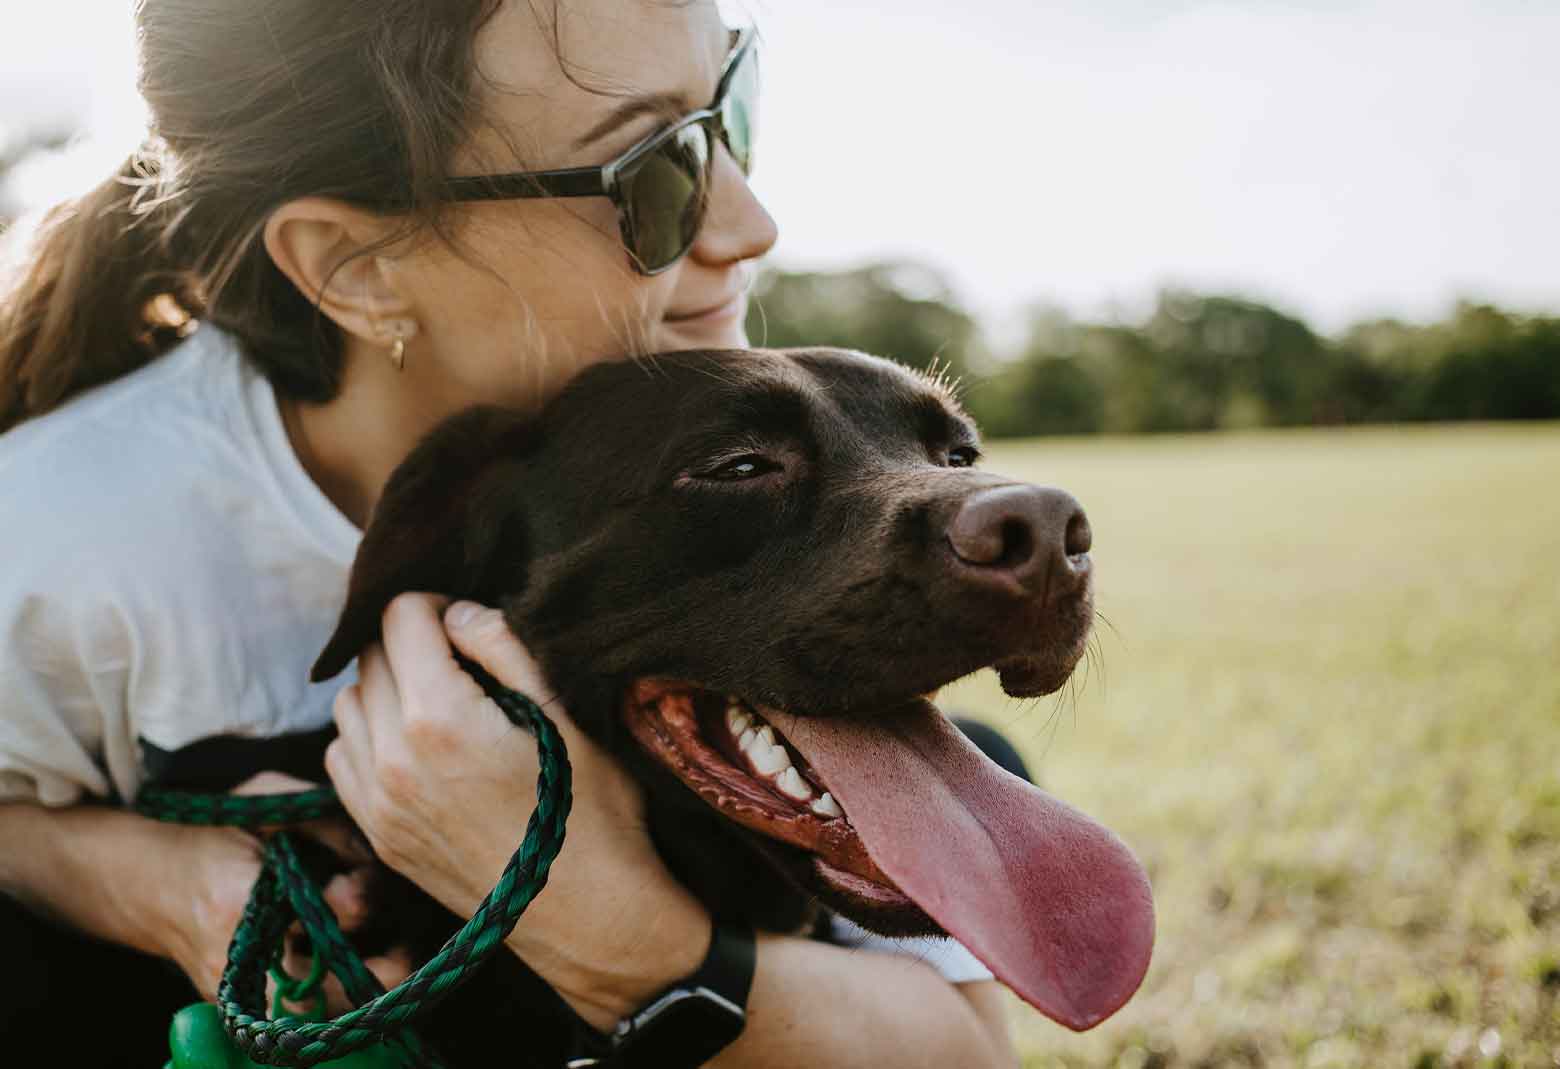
(1053, 903)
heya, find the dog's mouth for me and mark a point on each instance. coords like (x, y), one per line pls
(732, 757)
(908, 824)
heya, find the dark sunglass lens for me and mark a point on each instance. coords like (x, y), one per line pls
(665, 197)
(739, 112)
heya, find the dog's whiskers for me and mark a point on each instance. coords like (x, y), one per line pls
(1094, 655)
(1106, 620)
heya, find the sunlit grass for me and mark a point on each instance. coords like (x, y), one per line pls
(1327, 717)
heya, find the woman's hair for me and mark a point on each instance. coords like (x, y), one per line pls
(253, 103)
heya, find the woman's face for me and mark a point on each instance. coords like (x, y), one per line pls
(538, 289)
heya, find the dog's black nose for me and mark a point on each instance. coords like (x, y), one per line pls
(1035, 536)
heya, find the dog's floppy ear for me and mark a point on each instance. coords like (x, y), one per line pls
(435, 527)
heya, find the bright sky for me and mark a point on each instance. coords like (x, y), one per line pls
(1338, 157)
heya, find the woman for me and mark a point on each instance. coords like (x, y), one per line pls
(184, 530)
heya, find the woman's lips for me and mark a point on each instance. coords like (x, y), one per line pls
(731, 308)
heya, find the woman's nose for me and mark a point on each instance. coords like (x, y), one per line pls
(737, 227)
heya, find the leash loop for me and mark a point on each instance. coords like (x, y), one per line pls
(284, 892)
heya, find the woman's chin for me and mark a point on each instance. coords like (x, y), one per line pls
(676, 340)
(727, 331)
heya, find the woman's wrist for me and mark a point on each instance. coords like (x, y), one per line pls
(105, 871)
(639, 937)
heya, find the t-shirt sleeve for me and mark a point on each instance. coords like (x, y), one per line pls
(64, 669)
(948, 956)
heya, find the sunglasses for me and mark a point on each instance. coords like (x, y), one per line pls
(660, 186)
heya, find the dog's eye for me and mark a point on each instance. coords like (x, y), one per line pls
(963, 456)
(747, 466)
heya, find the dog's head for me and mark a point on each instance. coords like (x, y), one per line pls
(743, 571)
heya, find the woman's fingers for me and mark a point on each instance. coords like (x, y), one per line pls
(414, 642)
(377, 690)
(350, 754)
(435, 698)
(484, 635)
(347, 895)
(429, 686)
(391, 968)
(339, 837)
(298, 960)
(271, 782)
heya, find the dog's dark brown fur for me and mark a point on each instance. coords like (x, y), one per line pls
(792, 527)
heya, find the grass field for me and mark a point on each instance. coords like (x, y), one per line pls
(1326, 715)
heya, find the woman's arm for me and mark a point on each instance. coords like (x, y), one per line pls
(167, 890)
(815, 1004)
(421, 750)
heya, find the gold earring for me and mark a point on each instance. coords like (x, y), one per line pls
(398, 349)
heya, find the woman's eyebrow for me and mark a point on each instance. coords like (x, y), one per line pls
(667, 104)
(670, 105)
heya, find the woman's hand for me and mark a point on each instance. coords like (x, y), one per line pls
(200, 913)
(442, 785)
(222, 864)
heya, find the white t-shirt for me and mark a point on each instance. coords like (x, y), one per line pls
(170, 572)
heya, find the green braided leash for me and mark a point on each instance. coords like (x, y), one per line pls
(284, 892)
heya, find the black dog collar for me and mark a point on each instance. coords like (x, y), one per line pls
(691, 1021)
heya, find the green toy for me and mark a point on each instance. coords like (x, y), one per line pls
(199, 1041)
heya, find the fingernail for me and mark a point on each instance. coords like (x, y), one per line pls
(462, 613)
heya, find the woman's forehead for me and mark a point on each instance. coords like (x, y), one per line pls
(551, 73)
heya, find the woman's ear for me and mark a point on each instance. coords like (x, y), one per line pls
(319, 243)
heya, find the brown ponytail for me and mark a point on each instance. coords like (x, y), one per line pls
(253, 105)
(85, 307)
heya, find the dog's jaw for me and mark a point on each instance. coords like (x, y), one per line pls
(685, 729)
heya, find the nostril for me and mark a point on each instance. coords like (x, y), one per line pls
(1018, 543)
(1021, 531)
(990, 535)
(1079, 538)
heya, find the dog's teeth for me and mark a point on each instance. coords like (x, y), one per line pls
(792, 785)
(746, 739)
(738, 720)
(766, 735)
(826, 806)
(769, 760)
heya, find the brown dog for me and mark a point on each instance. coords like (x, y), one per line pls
(741, 571)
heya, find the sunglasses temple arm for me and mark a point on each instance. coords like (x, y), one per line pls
(575, 182)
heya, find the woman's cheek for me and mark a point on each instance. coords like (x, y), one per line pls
(515, 328)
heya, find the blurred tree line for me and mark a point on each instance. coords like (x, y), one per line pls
(1197, 362)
